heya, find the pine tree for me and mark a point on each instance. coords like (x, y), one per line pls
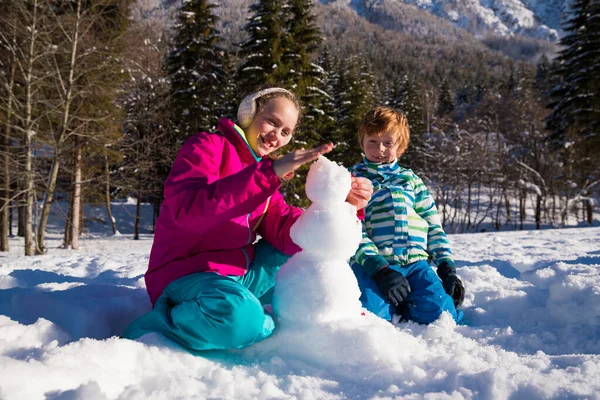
(319, 114)
(445, 102)
(543, 75)
(575, 115)
(228, 95)
(194, 66)
(302, 41)
(411, 105)
(356, 96)
(305, 77)
(263, 51)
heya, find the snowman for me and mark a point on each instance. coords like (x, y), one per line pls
(316, 285)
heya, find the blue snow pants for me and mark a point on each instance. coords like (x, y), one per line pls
(207, 311)
(426, 301)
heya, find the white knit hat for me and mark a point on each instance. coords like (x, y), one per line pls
(247, 108)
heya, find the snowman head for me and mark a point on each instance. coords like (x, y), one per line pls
(329, 228)
(327, 182)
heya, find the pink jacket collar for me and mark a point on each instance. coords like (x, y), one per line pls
(237, 137)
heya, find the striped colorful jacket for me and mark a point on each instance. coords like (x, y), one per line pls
(401, 220)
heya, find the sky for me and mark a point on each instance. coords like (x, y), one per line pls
(531, 329)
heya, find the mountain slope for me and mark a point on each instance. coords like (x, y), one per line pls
(530, 18)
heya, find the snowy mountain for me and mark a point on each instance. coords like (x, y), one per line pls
(540, 19)
(494, 24)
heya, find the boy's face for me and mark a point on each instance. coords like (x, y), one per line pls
(382, 148)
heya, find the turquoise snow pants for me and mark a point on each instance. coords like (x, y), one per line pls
(426, 301)
(207, 311)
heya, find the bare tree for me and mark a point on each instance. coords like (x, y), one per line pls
(66, 92)
(8, 42)
(76, 198)
(29, 123)
(113, 222)
(149, 141)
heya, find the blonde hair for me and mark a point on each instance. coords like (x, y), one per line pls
(262, 101)
(385, 119)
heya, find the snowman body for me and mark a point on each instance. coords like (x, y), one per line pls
(317, 285)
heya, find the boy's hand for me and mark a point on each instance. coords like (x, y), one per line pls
(452, 284)
(361, 192)
(459, 293)
(393, 285)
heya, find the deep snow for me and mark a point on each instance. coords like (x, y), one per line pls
(531, 330)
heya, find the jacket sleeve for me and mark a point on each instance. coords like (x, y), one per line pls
(278, 220)
(196, 196)
(366, 250)
(438, 245)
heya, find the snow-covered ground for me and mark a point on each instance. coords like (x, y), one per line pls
(531, 330)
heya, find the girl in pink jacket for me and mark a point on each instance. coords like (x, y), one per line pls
(206, 278)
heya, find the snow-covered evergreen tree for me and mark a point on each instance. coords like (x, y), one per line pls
(575, 115)
(228, 96)
(411, 104)
(302, 41)
(355, 96)
(320, 108)
(304, 76)
(263, 51)
(194, 65)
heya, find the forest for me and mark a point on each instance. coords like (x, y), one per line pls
(97, 97)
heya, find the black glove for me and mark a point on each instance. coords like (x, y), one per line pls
(392, 284)
(452, 284)
(459, 293)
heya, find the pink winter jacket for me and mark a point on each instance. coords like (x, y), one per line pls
(214, 199)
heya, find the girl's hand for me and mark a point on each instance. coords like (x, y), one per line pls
(361, 192)
(294, 160)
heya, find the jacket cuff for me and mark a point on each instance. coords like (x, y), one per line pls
(266, 169)
(361, 214)
(373, 264)
(448, 261)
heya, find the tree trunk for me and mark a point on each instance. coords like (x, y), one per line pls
(67, 240)
(469, 199)
(81, 228)
(522, 211)
(21, 216)
(107, 193)
(590, 211)
(538, 211)
(69, 221)
(28, 217)
(138, 208)
(28, 125)
(10, 221)
(156, 212)
(5, 222)
(444, 208)
(68, 96)
(75, 222)
(507, 206)
(497, 224)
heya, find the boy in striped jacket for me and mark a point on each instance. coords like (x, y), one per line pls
(402, 232)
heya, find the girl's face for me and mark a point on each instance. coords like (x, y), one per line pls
(273, 126)
(381, 149)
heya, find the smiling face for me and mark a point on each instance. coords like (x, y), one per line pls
(273, 126)
(382, 148)
(383, 134)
